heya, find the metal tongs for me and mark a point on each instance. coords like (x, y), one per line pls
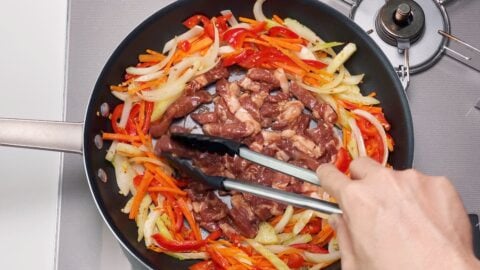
(224, 146)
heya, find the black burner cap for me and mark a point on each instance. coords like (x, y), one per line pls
(400, 21)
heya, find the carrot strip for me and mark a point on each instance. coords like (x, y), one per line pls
(284, 44)
(257, 41)
(168, 179)
(166, 189)
(277, 19)
(119, 137)
(145, 58)
(167, 205)
(147, 85)
(200, 45)
(248, 20)
(290, 68)
(191, 220)
(118, 88)
(150, 51)
(323, 236)
(141, 115)
(141, 191)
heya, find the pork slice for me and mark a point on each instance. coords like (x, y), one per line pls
(290, 111)
(255, 86)
(319, 109)
(264, 209)
(211, 76)
(180, 108)
(243, 216)
(205, 117)
(263, 75)
(208, 209)
(232, 130)
(165, 144)
(248, 104)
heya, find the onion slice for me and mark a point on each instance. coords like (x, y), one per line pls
(258, 11)
(232, 20)
(209, 61)
(156, 67)
(279, 74)
(374, 121)
(287, 215)
(358, 137)
(191, 33)
(127, 107)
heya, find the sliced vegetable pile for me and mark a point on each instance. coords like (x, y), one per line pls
(160, 206)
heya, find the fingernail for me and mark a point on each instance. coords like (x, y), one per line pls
(333, 221)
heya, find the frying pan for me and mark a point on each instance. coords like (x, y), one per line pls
(83, 138)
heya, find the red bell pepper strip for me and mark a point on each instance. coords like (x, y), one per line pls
(214, 235)
(173, 245)
(178, 217)
(280, 31)
(132, 119)
(148, 116)
(374, 147)
(310, 247)
(217, 258)
(293, 260)
(205, 265)
(184, 45)
(313, 227)
(366, 128)
(314, 63)
(116, 114)
(195, 20)
(343, 160)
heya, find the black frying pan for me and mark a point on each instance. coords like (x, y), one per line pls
(153, 33)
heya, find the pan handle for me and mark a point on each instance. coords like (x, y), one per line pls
(44, 135)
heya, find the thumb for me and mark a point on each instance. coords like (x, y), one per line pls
(344, 240)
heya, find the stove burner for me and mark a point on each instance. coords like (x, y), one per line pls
(400, 23)
(405, 28)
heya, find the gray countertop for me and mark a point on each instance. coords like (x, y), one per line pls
(447, 128)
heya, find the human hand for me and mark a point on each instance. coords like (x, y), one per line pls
(398, 219)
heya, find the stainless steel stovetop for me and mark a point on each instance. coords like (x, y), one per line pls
(442, 99)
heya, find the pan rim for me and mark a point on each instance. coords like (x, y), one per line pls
(89, 168)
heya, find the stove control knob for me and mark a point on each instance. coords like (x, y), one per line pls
(403, 14)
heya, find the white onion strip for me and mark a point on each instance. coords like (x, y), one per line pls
(358, 137)
(123, 96)
(279, 74)
(287, 215)
(149, 77)
(374, 121)
(258, 11)
(191, 33)
(209, 61)
(180, 67)
(156, 67)
(353, 80)
(127, 107)
(232, 20)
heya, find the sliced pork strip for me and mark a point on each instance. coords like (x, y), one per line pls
(205, 117)
(235, 130)
(263, 75)
(243, 216)
(182, 107)
(207, 78)
(290, 111)
(320, 110)
(255, 86)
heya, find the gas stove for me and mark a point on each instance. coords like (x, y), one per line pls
(431, 44)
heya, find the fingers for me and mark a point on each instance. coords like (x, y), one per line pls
(332, 180)
(344, 240)
(360, 167)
